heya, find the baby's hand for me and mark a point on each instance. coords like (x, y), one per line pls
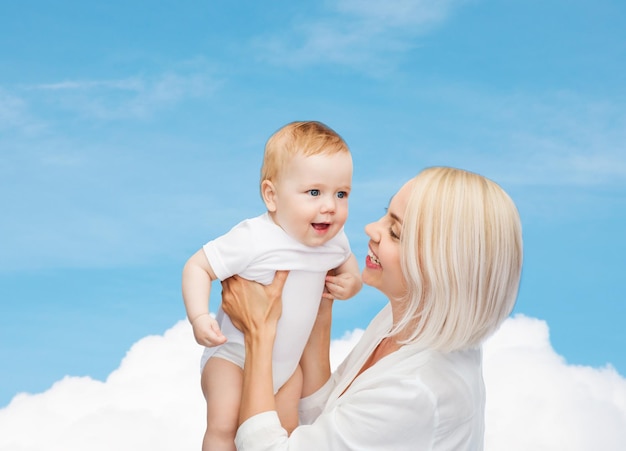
(342, 286)
(206, 331)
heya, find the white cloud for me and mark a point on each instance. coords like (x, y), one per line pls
(397, 12)
(14, 114)
(153, 401)
(135, 97)
(340, 348)
(11, 109)
(361, 34)
(536, 401)
(556, 138)
(129, 84)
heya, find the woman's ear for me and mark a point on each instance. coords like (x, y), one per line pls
(268, 192)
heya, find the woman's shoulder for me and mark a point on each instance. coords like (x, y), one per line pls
(455, 382)
(447, 371)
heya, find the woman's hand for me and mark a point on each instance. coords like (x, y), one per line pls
(255, 309)
(252, 306)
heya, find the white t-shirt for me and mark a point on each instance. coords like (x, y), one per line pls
(255, 249)
(412, 399)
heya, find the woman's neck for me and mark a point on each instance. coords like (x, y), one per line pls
(397, 314)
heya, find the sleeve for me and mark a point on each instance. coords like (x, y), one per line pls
(385, 414)
(232, 252)
(312, 406)
(261, 432)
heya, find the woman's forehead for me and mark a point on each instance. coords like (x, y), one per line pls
(399, 201)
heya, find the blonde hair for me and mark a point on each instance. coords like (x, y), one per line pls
(298, 138)
(461, 247)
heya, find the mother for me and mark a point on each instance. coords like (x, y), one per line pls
(448, 256)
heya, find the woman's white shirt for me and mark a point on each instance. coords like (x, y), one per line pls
(411, 399)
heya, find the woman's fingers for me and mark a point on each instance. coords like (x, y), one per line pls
(247, 302)
(275, 289)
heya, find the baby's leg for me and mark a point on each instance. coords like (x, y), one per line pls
(221, 386)
(287, 399)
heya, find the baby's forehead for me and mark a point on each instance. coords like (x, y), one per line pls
(304, 158)
(331, 167)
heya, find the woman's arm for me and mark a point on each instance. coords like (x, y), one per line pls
(255, 310)
(315, 360)
(370, 415)
(387, 409)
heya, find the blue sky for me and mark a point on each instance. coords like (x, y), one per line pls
(132, 132)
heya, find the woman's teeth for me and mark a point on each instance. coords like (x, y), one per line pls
(373, 257)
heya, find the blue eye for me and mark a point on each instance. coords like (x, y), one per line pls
(342, 194)
(314, 192)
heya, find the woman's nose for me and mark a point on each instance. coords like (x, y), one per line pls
(371, 231)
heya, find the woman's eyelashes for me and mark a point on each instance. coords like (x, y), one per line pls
(392, 233)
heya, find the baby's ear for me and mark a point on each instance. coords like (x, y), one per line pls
(268, 192)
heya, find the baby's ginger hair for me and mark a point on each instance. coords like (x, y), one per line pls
(298, 138)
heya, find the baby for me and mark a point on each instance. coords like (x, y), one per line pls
(305, 183)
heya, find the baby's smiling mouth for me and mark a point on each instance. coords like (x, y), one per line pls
(320, 226)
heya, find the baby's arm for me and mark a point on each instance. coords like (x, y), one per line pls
(197, 278)
(346, 282)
